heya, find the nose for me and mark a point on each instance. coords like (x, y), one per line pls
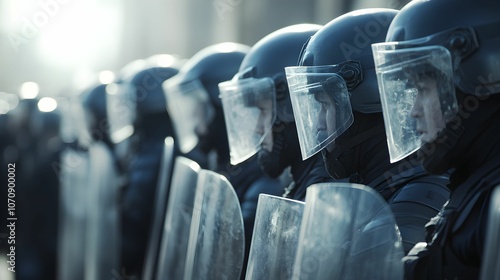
(201, 129)
(416, 110)
(321, 120)
(260, 127)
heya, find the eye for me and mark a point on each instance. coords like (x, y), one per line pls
(422, 89)
(322, 106)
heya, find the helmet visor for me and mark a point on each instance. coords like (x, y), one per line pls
(321, 106)
(189, 106)
(249, 110)
(121, 110)
(417, 94)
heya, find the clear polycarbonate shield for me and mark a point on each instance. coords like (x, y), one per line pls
(275, 238)
(175, 236)
(73, 124)
(417, 93)
(347, 232)
(102, 230)
(121, 110)
(321, 106)
(216, 239)
(189, 106)
(160, 204)
(249, 110)
(74, 176)
(490, 268)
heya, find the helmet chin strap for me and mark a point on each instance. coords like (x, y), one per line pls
(343, 160)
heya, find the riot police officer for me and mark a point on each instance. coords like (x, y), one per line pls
(194, 104)
(88, 244)
(440, 81)
(338, 112)
(270, 132)
(139, 124)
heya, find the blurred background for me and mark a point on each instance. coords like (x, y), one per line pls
(62, 44)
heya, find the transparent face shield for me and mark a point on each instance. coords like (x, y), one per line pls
(120, 108)
(249, 110)
(417, 93)
(321, 106)
(189, 106)
(73, 123)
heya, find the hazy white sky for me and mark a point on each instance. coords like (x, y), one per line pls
(64, 44)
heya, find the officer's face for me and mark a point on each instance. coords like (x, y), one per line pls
(326, 117)
(264, 123)
(427, 110)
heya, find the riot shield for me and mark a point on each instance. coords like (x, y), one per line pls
(74, 176)
(275, 238)
(216, 239)
(490, 268)
(174, 241)
(348, 232)
(162, 192)
(103, 230)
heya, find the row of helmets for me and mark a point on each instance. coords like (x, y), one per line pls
(292, 75)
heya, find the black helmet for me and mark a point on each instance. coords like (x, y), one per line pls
(269, 57)
(468, 29)
(453, 59)
(138, 93)
(347, 39)
(193, 95)
(212, 65)
(149, 95)
(261, 79)
(335, 77)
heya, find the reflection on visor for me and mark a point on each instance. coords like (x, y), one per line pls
(417, 94)
(321, 106)
(189, 106)
(249, 111)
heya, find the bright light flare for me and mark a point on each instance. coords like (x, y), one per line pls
(47, 104)
(83, 33)
(106, 77)
(29, 90)
(8, 101)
